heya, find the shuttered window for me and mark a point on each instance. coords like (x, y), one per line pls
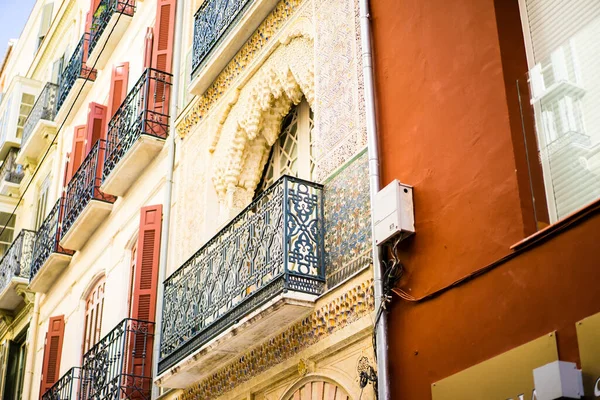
(52, 353)
(118, 87)
(162, 52)
(45, 22)
(42, 202)
(563, 52)
(78, 152)
(94, 308)
(96, 125)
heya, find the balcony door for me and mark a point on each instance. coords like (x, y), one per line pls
(292, 154)
(94, 306)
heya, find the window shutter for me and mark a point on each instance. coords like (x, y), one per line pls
(57, 68)
(45, 21)
(118, 87)
(145, 285)
(78, 152)
(96, 125)
(52, 353)
(162, 52)
(148, 43)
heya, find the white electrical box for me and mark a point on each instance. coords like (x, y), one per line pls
(558, 380)
(393, 212)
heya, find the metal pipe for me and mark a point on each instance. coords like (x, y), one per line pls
(381, 339)
(166, 224)
(31, 351)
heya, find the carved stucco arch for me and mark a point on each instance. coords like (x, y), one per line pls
(316, 378)
(288, 78)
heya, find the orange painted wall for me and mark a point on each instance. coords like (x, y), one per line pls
(449, 125)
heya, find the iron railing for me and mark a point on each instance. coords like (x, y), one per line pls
(119, 366)
(16, 262)
(85, 186)
(67, 387)
(104, 13)
(212, 22)
(274, 245)
(75, 69)
(10, 171)
(145, 111)
(44, 108)
(47, 239)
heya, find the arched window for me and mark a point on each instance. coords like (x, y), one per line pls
(292, 154)
(318, 390)
(94, 305)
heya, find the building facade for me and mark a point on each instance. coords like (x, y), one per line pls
(488, 108)
(191, 218)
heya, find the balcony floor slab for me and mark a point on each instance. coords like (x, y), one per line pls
(108, 40)
(272, 317)
(131, 166)
(42, 134)
(9, 298)
(94, 213)
(49, 272)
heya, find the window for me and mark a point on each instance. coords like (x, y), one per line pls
(45, 22)
(42, 201)
(562, 51)
(6, 238)
(94, 305)
(292, 154)
(15, 366)
(27, 102)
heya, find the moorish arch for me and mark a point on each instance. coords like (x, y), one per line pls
(317, 389)
(245, 150)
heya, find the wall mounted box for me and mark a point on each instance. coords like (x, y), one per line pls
(558, 380)
(393, 212)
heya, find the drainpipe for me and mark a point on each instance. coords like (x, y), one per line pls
(166, 224)
(381, 339)
(32, 343)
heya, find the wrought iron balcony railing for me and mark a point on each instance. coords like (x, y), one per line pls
(273, 246)
(120, 365)
(85, 186)
(145, 110)
(44, 108)
(103, 14)
(10, 171)
(47, 238)
(212, 21)
(75, 69)
(16, 262)
(66, 388)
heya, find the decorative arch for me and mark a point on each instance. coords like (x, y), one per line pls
(289, 78)
(316, 388)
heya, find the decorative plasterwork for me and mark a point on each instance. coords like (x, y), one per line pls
(241, 61)
(341, 312)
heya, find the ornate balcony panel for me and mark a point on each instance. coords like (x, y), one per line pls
(86, 206)
(14, 269)
(120, 365)
(226, 25)
(267, 261)
(67, 387)
(49, 258)
(109, 23)
(137, 131)
(75, 81)
(39, 126)
(11, 174)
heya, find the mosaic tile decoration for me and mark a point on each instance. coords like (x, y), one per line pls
(347, 220)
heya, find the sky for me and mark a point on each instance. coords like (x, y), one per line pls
(13, 15)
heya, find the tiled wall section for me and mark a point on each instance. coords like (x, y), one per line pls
(347, 220)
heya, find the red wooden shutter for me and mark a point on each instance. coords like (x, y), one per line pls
(78, 152)
(162, 52)
(148, 43)
(144, 286)
(52, 353)
(96, 125)
(118, 87)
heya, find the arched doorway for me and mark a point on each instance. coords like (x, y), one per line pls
(319, 390)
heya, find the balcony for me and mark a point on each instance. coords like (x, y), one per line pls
(137, 132)
(219, 32)
(120, 365)
(11, 175)
(75, 81)
(67, 387)
(261, 272)
(109, 23)
(14, 270)
(49, 258)
(39, 127)
(86, 206)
